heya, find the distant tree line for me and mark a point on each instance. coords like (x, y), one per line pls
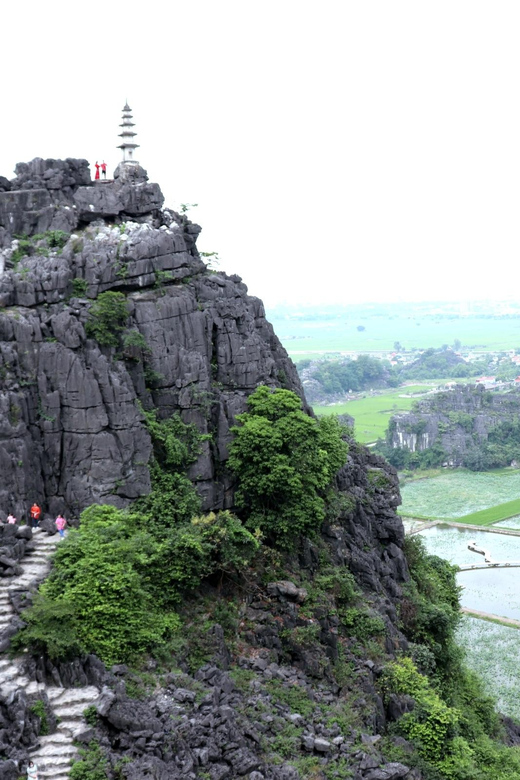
(345, 375)
(440, 364)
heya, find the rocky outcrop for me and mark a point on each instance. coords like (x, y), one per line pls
(458, 421)
(128, 194)
(72, 433)
(71, 429)
(40, 198)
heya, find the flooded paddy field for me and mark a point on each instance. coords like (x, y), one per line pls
(512, 522)
(452, 544)
(457, 493)
(492, 652)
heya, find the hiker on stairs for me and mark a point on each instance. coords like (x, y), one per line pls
(35, 515)
(32, 771)
(60, 525)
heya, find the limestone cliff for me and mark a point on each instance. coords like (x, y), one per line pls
(461, 424)
(71, 431)
(278, 672)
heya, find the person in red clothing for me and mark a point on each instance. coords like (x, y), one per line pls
(36, 513)
(104, 169)
(96, 177)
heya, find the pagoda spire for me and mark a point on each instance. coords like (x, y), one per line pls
(128, 135)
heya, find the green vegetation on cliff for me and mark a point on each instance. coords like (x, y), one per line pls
(118, 580)
(285, 462)
(453, 725)
(124, 582)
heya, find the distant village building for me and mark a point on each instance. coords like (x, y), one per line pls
(489, 382)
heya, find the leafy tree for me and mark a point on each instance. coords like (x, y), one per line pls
(285, 461)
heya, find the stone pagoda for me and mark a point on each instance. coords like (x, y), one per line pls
(128, 136)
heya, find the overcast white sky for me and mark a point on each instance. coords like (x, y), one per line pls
(338, 150)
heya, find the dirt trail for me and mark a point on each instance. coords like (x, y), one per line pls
(486, 615)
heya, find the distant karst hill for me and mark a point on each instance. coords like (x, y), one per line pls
(464, 426)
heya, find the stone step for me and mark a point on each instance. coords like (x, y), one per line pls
(49, 763)
(67, 696)
(8, 688)
(72, 711)
(10, 673)
(72, 728)
(35, 687)
(55, 749)
(50, 773)
(54, 739)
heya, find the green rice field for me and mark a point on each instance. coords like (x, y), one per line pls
(372, 414)
(458, 495)
(304, 338)
(493, 514)
(492, 651)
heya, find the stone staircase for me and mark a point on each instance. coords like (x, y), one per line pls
(55, 751)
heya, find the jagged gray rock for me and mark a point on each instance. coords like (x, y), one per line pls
(71, 432)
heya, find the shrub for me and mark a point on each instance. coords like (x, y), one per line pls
(432, 722)
(92, 764)
(107, 318)
(91, 715)
(38, 709)
(284, 461)
(51, 628)
(233, 545)
(133, 338)
(361, 624)
(57, 238)
(79, 286)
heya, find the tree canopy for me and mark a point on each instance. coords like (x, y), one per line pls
(285, 461)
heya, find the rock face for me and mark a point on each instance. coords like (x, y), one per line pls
(458, 420)
(71, 430)
(265, 703)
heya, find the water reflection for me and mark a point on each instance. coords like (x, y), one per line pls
(512, 522)
(489, 590)
(452, 544)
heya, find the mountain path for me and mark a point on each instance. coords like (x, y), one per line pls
(55, 751)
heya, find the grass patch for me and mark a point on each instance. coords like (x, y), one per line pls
(372, 414)
(494, 514)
